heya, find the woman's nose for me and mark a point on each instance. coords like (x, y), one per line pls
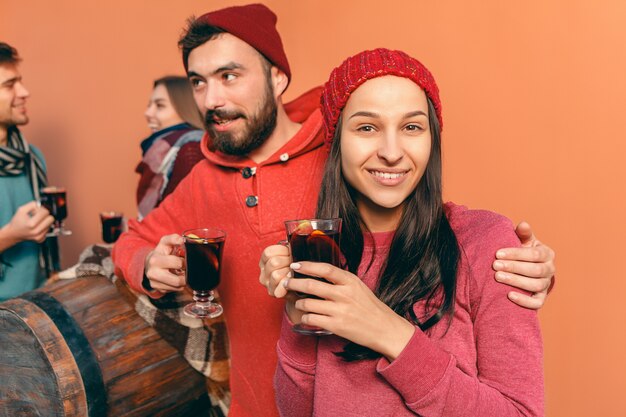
(149, 111)
(390, 148)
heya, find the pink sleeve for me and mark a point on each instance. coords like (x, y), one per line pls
(508, 345)
(130, 251)
(295, 373)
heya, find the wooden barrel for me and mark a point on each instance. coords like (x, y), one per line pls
(78, 348)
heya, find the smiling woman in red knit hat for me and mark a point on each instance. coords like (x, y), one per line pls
(419, 324)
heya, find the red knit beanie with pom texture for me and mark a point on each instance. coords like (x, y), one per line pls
(255, 24)
(364, 66)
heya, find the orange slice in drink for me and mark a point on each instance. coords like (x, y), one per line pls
(304, 228)
(193, 237)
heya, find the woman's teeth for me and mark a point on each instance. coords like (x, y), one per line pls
(388, 175)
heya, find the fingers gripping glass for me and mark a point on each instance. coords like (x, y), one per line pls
(314, 240)
(203, 259)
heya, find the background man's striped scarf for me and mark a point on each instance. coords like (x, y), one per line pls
(16, 157)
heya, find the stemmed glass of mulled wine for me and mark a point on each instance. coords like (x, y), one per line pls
(314, 240)
(55, 200)
(112, 225)
(203, 259)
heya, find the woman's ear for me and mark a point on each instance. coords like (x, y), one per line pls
(279, 81)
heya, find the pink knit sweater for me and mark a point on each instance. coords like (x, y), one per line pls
(489, 363)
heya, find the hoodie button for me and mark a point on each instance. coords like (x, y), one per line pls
(252, 200)
(246, 172)
(284, 157)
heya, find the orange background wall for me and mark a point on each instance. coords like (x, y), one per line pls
(534, 95)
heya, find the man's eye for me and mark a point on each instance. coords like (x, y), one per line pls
(195, 82)
(229, 77)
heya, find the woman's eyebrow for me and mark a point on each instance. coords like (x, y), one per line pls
(415, 113)
(376, 115)
(365, 113)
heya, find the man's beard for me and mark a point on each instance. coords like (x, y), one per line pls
(258, 127)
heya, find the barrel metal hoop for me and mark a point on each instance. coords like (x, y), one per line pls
(84, 356)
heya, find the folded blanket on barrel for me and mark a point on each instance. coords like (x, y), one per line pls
(203, 343)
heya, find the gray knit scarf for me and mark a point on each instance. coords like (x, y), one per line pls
(16, 157)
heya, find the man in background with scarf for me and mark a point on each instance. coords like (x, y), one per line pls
(23, 222)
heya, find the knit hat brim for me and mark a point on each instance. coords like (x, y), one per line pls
(364, 66)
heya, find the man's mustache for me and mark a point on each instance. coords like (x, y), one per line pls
(211, 115)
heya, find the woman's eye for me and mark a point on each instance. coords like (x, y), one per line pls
(366, 128)
(414, 127)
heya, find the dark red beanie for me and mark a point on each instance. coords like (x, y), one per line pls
(364, 66)
(254, 24)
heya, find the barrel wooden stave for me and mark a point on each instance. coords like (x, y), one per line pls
(39, 390)
(142, 374)
(109, 341)
(155, 390)
(21, 374)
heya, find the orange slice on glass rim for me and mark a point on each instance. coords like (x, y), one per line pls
(195, 238)
(304, 228)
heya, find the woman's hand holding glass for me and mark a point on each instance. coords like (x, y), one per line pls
(346, 306)
(349, 309)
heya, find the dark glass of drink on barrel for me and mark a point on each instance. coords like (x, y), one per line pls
(55, 200)
(203, 259)
(314, 240)
(112, 225)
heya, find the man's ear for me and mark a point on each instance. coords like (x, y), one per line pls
(279, 81)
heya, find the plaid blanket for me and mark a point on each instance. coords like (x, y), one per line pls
(203, 343)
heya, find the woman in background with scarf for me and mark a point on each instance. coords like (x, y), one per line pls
(174, 146)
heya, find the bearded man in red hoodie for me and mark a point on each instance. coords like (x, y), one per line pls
(263, 165)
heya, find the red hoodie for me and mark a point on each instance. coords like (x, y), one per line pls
(219, 193)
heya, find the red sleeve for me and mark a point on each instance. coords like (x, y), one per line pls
(130, 251)
(508, 345)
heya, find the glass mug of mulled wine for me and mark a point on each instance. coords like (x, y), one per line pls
(203, 259)
(112, 225)
(54, 199)
(314, 240)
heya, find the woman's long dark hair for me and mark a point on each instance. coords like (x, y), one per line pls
(424, 254)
